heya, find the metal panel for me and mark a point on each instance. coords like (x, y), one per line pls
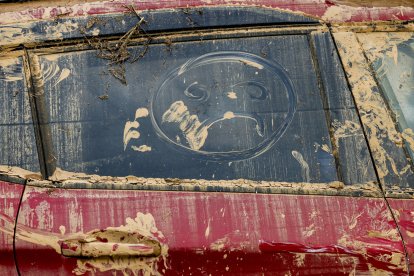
(211, 233)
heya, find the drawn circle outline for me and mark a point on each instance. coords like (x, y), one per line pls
(226, 56)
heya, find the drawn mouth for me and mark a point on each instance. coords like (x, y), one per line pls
(230, 115)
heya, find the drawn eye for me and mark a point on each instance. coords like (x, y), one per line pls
(254, 89)
(197, 92)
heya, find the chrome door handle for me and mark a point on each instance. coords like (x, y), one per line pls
(95, 248)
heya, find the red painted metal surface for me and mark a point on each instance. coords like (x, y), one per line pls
(9, 202)
(404, 213)
(326, 10)
(210, 233)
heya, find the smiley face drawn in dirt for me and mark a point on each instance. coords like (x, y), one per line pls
(224, 106)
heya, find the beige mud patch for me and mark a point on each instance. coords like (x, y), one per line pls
(378, 44)
(140, 228)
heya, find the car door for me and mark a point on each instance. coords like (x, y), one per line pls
(200, 149)
(392, 64)
(17, 150)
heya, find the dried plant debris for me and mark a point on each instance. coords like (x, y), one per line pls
(117, 53)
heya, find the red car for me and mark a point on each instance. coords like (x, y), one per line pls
(207, 138)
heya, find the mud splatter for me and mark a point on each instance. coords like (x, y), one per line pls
(62, 28)
(378, 122)
(62, 229)
(131, 127)
(10, 70)
(232, 95)
(228, 115)
(378, 44)
(408, 136)
(326, 148)
(207, 232)
(346, 129)
(142, 148)
(19, 172)
(219, 244)
(303, 164)
(63, 75)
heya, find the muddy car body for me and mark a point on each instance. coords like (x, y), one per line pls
(207, 138)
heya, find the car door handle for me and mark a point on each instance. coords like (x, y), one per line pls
(94, 248)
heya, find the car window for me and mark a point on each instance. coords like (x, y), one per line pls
(392, 58)
(225, 107)
(17, 139)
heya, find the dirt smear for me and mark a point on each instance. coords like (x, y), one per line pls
(374, 116)
(378, 44)
(63, 179)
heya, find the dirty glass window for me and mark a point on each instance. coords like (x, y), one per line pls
(225, 108)
(392, 57)
(17, 140)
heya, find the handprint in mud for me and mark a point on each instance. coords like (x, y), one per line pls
(224, 106)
